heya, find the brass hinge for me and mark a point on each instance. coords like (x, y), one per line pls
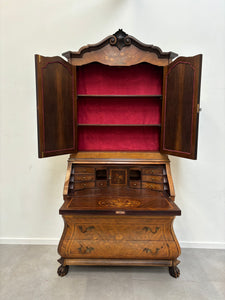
(198, 108)
(39, 58)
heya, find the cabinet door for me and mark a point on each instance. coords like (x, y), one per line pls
(56, 106)
(180, 110)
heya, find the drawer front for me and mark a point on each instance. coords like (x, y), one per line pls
(82, 177)
(152, 171)
(84, 170)
(135, 184)
(101, 183)
(117, 249)
(118, 177)
(145, 232)
(84, 185)
(150, 178)
(152, 186)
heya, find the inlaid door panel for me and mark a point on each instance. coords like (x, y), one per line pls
(180, 113)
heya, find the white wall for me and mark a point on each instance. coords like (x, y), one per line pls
(31, 189)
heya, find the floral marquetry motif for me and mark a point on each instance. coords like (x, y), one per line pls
(119, 203)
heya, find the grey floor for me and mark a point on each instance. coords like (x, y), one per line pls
(29, 272)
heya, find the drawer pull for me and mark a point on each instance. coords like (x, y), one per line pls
(82, 249)
(146, 229)
(147, 250)
(134, 184)
(84, 177)
(89, 228)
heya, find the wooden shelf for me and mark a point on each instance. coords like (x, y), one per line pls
(120, 96)
(122, 125)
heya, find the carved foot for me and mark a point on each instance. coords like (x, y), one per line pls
(62, 270)
(174, 271)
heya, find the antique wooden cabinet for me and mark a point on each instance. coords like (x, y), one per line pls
(118, 107)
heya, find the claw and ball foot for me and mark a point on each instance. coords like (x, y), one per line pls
(62, 270)
(174, 271)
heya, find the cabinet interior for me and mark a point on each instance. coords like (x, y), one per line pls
(118, 177)
(119, 108)
(101, 174)
(135, 174)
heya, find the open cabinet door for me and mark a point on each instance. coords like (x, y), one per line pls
(180, 110)
(56, 106)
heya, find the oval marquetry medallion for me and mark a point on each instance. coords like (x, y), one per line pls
(119, 203)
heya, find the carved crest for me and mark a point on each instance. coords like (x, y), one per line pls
(120, 39)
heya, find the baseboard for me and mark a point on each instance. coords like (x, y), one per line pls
(54, 241)
(29, 241)
(203, 245)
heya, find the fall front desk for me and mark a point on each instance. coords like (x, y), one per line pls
(118, 108)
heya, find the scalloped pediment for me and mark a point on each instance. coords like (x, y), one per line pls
(120, 49)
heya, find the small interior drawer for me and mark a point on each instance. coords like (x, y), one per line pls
(152, 171)
(135, 184)
(152, 178)
(84, 185)
(152, 186)
(84, 177)
(101, 183)
(84, 170)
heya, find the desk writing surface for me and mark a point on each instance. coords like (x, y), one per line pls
(120, 200)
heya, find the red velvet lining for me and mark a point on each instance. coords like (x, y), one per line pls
(119, 110)
(98, 79)
(118, 138)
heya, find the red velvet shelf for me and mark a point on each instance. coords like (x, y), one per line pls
(125, 125)
(118, 138)
(129, 110)
(99, 79)
(119, 96)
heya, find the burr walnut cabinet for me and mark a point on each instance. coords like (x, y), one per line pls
(118, 108)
